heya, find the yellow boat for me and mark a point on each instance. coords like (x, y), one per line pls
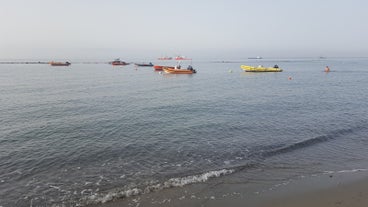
(178, 71)
(247, 68)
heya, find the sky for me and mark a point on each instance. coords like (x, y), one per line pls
(103, 29)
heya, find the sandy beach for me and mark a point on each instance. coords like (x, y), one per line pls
(338, 189)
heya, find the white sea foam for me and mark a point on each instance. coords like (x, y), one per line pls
(55, 187)
(99, 181)
(122, 194)
(346, 171)
(179, 182)
(353, 170)
(173, 182)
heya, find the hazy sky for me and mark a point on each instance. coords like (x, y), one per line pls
(195, 28)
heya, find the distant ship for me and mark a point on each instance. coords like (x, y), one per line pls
(181, 58)
(258, 57)
(165, 58)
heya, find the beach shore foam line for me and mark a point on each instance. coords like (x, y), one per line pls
(172, 182)
(346, 171)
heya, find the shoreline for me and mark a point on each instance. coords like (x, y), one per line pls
(331, 189)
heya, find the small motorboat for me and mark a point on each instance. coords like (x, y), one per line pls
(174, 70)
(144, 64)
(118, 62)
(52, 63)
(247, 68)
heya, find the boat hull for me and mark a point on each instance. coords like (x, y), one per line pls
(60, 63)
(247, 68)
(143, 65)
(117, 63)
(178, 71)
(160, 67)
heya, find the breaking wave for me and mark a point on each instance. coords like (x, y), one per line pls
(347, 171)
(173, 182)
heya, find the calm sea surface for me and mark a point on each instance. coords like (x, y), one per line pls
(91, 133)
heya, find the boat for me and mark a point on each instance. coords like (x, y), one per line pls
(144, 64)
(165, 58)
(118, 62)
(160, 67)
(179, 71)
(258, 57)
(52, 63)
(181, 58)
(247, 68)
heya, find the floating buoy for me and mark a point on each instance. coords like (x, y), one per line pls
(289, 78)
(230, 71)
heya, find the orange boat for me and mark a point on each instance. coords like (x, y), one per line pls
(160, 67)
(179, 71)
(52, 63)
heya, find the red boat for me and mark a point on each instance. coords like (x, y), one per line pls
(52, 63)
(160, 67)
(181, 58)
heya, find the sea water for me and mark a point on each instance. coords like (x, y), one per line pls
(93, 133)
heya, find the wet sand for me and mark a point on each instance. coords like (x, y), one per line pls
(335, 191)
(326, 190)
